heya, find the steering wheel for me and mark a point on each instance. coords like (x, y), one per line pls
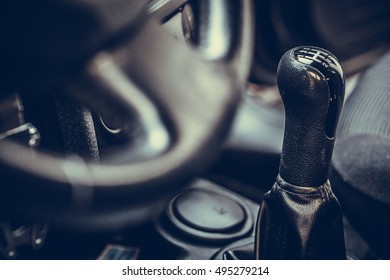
(125, 68)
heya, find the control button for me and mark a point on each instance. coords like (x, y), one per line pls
(209, 211)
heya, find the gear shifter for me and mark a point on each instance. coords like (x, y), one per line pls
(300, 218)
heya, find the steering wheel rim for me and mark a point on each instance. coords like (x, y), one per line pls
(94, 196)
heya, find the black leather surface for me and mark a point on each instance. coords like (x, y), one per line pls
(298, 222)
(307, 151)
(300, 218)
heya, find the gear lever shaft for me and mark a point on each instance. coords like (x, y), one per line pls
(300, 218)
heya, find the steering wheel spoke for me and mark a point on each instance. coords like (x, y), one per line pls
(124, 106)
(182, 102)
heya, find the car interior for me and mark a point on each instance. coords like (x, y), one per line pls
(195, 129)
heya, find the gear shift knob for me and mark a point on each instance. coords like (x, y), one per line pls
(311, 83)
(300, 218)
